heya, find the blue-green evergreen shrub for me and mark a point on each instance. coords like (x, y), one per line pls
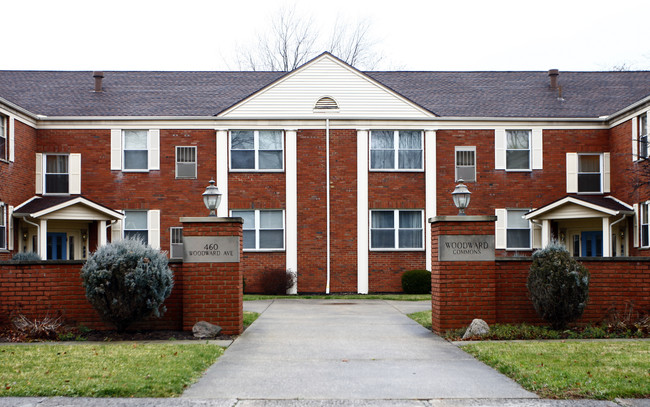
(558, 285)
(127, 281)
(26, 256)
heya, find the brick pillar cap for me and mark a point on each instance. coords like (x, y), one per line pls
(463, 219)
(211, 219)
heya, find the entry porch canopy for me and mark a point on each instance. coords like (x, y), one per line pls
(39, 210)
(580, 213)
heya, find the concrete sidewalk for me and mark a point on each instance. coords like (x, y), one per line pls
(347, 349)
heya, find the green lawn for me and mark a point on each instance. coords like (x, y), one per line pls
(573, 369)
(110, 370)
(423, 318)
(249, 318)
(388, 297)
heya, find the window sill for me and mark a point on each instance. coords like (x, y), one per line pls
(134, 170)
(263, 250)
(528, 170)
(398, 250)
(590, 193)
(186, 178)
(2, 160)
(521, 249)
(394, 170)
(254, 170)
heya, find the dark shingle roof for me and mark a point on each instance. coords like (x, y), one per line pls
(41, 203)
(460, 94)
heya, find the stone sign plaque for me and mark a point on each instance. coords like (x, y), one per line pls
(211, 249)
(466, 248)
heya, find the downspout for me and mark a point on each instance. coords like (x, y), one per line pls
(614, 223)
(327, 199)
(38, 233)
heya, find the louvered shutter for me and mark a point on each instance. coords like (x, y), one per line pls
(500, 241)
(500, 149)
(154, 149)
(571, 173)
(153, 221)
(75, 174)
(116, 149)
(38, 188)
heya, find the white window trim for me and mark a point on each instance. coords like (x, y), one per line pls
(572, 160)
(258, 229)
(171, 241)
(256, 150)
(601, 171)
(117, 150)
(196, 159)
(396, 231)
(636, 136)
(153, 226)
(3, 218)
(123, 151)
(4, 133)
(501, 230)
(396, 151)
(643, 208)
(536, 148)
(464, 148)
(530, 151)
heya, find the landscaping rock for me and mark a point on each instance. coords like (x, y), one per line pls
(478, 327)
(203, 329)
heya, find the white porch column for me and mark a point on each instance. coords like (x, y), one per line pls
(607, 238)
(362, 212)
(42, 239)
(222, 172)
(291, 214)
(546, 232)
(430, 190)
(101, 233)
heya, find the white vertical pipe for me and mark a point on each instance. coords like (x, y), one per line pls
(430, 190)
(291, 214)
(327, 199)
(222, 171)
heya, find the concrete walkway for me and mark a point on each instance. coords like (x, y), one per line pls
(347, 349)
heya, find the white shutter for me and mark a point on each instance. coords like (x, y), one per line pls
(537, 236)
(571, 173)
(39, 174)
(500, 149)
(10, 227)
(116, 149)
(538, 145)
(153, 221)
(154, 149)
(116, 230)
(606, 173)
(500, 240)
(635, 139)
(637, 218)
(12, 136)
(75, 173)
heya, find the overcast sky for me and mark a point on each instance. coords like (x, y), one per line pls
(411, 34)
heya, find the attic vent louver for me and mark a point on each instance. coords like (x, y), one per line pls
(326, 103)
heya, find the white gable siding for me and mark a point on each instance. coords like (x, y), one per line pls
(297, 94)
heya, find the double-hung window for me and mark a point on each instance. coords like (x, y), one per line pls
(396, 229)
(3, 137)
(136, 225)
(57, 174)
(589, 173)
(644, 225)
(396, 150)
(256, 150)
(136, 152)
(185, 162)
(176, 243)
(643, 136)
(263, 229)
(518, 230)
(3, 226)
(466, 164)
(518, 149)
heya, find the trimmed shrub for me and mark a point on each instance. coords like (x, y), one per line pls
(26, 256)
(277, 281)
(416, 282)
(127, 281)
(558, 285)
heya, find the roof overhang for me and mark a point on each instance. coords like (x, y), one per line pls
(616, 208)
(47, 209)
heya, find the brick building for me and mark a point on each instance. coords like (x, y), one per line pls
(334, 171)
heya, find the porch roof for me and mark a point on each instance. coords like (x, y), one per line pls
(607, 205)
(40, 206)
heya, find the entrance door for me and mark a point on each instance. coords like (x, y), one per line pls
(592, 244)
(56, 246)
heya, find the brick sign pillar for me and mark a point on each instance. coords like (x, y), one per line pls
(212, 273)
(463, 271)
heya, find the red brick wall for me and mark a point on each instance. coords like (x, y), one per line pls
(19, 173)
(385, 269)
(255, 263)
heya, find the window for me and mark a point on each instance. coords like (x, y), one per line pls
(3, 137)
(185, 162)
(396, 150)
(136, 225)
(57, 175)
(518, 149)
(176, 243)
(396, 229)
(643, 136)
(135, 150)
(589, 173)
(518, 229)
(3, 226)
(466, 164)
(645, 225)
(256, 150)
(263, 229)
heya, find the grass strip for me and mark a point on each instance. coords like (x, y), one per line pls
(249, 318)
(106, 370)
(597, 370)
(387, 297)
(423, 318)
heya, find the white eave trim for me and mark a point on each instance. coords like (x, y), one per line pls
(569, 199)
(79, 200)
